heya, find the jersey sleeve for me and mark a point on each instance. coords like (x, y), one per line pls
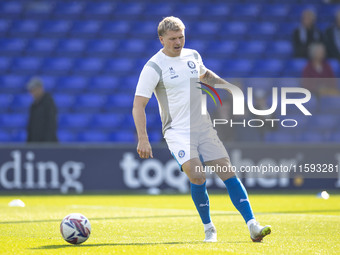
(147, 82)
(202, 68)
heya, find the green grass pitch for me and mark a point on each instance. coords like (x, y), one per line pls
(169, 224)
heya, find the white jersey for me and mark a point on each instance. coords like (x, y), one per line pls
(179, 100)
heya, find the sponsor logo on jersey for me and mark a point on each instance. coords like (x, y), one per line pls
(191, 64)
(172, 71)
(181, 153)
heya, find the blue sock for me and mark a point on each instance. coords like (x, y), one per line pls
(200, 197)
(239, 197)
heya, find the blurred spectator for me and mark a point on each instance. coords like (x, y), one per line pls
(332, 38)
(42, 124)
(306, 34)
(318, 69)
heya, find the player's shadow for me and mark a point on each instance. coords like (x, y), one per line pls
(107, 244)
(47, 247)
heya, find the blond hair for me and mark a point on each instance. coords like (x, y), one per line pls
(170, 24)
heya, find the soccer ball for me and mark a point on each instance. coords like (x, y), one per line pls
(75, 228)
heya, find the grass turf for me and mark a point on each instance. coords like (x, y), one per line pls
(169, 224)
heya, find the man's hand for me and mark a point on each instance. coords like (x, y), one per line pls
(144, 148)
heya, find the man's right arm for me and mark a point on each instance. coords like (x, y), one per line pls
(143, 148)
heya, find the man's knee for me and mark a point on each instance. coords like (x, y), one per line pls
(197, 180)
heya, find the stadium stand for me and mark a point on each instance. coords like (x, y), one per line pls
(90, 53)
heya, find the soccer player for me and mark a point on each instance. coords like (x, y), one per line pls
(168, 74)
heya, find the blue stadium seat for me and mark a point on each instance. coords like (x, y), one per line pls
(234, 30)
(38, 10)
(153, 120)
(152, 105)
(297, 9)
(330, 104)
(285, 30)
(205, 28)
(120, 101)
(288, 82)
(155, 136)
(217, 11)
(41, 46)
(57, 28)
(144, 29)
(102, 47)
(89, 28)
(88, 66)
(267, 68)
(157, 10)
(93, 137)
(262, 31)
(72, 84)
(98, 10)
(119, 66)
(302, 122)
(132, 48)
(279, 49)
(324, 122)
(13, 83)
(107, 121)
(221, 49)
(65, 135)
(19, 135)
(21, 103)
(68, 9)
(74, 121)
(294, 67)
(27, 65)
(5, 102)
(187, 10)
(5, 63)
(238, 68)
(128, 82)
(12, 47)
(71, 47)
(11, 9)
(10, 121)
(123, 137)
(50, 82)
(104, 84)
(335, 66)
(199, 45)
(4, 26)
(260, 84)
(279, 137)
(90, 102)
(115, 29)
(130, 10)
(246, 12)
(251, 49)
(24, 28)
(63, 102)
(57, 65)
(312, 137)
(275, 12)
(214, 64)
(5, 136)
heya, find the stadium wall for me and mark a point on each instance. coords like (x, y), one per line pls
(82, 168)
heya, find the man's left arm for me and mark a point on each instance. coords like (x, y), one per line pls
(210, 78)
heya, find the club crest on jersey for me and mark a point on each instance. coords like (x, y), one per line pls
(172, 71)
(191, 64)
(181, 153)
